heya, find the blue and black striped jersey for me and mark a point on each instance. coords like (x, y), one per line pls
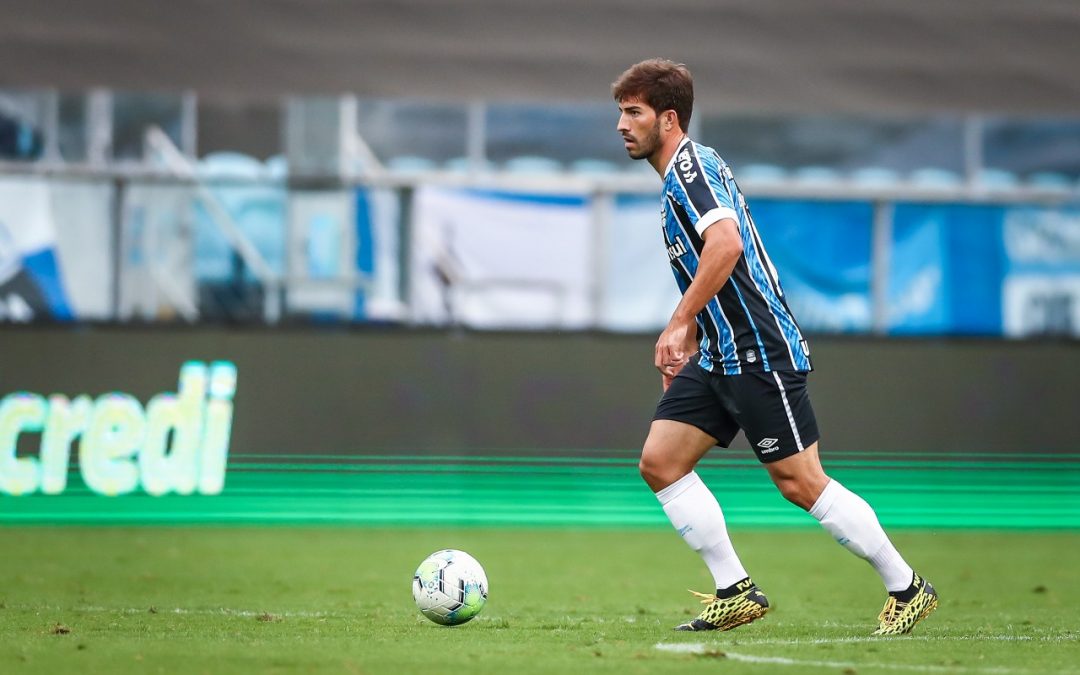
(748, 325)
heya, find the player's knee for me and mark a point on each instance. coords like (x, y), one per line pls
(799, 492)
(657, 472)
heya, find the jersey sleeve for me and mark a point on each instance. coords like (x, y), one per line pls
(704, 191)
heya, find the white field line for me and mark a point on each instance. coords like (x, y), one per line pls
(220, 611)
(1066, 637)
(722, 652)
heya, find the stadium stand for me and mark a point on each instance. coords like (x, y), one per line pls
(935, 178)
(532, 164)
(875, 176)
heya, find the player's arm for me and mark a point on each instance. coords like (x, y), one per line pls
(678, 341)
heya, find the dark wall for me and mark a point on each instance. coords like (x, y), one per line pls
(405, 391)
(784, 55)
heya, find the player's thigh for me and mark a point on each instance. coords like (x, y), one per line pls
(690, 419)
(693, 400)
(773, 410)
(678, 443)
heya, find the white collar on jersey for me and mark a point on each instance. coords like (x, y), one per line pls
(671, 162)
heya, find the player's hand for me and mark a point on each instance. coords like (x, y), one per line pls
(667, 380)
(675, 346)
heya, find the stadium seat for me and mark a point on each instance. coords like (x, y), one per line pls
(532, 164)
(875, 176)
(230, 165)
(277, 167)
(815, 175)
(593, 167)
(410, 164)
(636, 167)
(997, 179)
(467, 165)
(1050, 180)
(761, 173)
(932, 177)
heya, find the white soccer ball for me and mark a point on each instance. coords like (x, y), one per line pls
(450, 587)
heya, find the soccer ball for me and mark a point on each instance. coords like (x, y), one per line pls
(450, 587)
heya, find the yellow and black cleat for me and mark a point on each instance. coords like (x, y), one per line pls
(728, 613)
(898, 618)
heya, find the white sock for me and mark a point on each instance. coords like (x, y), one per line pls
(697, 517)
(851, 521)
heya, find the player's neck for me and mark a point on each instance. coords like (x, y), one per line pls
(662, 158)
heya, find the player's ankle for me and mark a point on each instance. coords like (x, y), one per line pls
(909, 593)
(734, 589)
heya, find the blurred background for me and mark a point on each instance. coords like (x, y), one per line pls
(413, 231)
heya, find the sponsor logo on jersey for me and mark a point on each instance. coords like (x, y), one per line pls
(685, 166)
(676, 250)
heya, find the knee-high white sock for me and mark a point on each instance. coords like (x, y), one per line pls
(851, 521)
(696, 515)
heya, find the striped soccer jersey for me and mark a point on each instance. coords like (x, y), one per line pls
(748, 325)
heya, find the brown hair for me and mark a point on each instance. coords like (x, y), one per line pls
(662, 84)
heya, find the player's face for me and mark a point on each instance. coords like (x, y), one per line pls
(640, 128)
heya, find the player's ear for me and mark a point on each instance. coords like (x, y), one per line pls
(671, 118)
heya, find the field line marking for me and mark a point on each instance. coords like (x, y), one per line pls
(220, 611)
(928, 638)
(721, 652)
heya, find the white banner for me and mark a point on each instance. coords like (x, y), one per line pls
(30, 282)
(502, 260)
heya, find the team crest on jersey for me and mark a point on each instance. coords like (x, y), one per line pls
(751, 356)
(685, 164)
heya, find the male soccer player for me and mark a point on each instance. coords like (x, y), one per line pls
(732, 357)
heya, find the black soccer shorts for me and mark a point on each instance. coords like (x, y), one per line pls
(772, 409)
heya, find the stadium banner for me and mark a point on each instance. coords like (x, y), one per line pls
(32, 286)
(431, 427)
(337, 235)
(945, 270)
(378, 255)
(984, 270)
(1041, 289)
(639, 292)
(822, 251)
(177, 443)
(490, 259)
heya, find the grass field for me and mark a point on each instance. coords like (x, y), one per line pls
(337, 600)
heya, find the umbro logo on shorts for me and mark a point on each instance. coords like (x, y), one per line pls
(768, 445)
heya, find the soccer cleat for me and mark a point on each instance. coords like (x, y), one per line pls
(728, 613)
(898, 618)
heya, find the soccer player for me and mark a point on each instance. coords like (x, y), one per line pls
(732, 357)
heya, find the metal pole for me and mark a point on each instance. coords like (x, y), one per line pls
(405, 230)
(189, 125)
(117, 212)
(476, 135)
(603, 214)
(973, 149)
(880, 257)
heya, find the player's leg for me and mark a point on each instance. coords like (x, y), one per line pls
(796, 470)
(846, 516)
(688, 423)
(667, 464)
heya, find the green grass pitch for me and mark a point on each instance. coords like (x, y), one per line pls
(337, 600)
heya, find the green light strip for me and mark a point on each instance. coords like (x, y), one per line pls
(525, 491)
